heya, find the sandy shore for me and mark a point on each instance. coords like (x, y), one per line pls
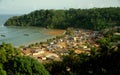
(54, 32)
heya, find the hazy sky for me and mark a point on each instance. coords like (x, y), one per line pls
(26, 6)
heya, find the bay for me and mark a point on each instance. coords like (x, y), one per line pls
(18, 36)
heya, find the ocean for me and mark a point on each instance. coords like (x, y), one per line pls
(18, 36)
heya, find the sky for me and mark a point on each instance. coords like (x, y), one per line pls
(26, 6)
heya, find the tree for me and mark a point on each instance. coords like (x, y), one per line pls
(2, 72)
(12, 63)
(25, 66)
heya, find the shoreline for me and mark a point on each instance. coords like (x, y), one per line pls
(53, 32)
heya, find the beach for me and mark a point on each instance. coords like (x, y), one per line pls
(54, 32)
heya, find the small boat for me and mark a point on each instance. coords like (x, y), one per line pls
(26, 34)
(3, 35)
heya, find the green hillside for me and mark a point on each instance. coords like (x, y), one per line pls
(95, 18)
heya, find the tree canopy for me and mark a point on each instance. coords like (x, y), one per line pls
(95, 18)
(13, 63)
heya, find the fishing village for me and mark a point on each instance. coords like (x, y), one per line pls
(79, 41)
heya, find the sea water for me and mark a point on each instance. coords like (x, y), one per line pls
(18, 36)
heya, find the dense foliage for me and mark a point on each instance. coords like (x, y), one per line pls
(102, 61)
(12, 63)
(96, 18)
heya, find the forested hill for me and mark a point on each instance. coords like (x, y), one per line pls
(96, 18)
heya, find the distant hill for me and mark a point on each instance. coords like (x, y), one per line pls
(95, 18)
